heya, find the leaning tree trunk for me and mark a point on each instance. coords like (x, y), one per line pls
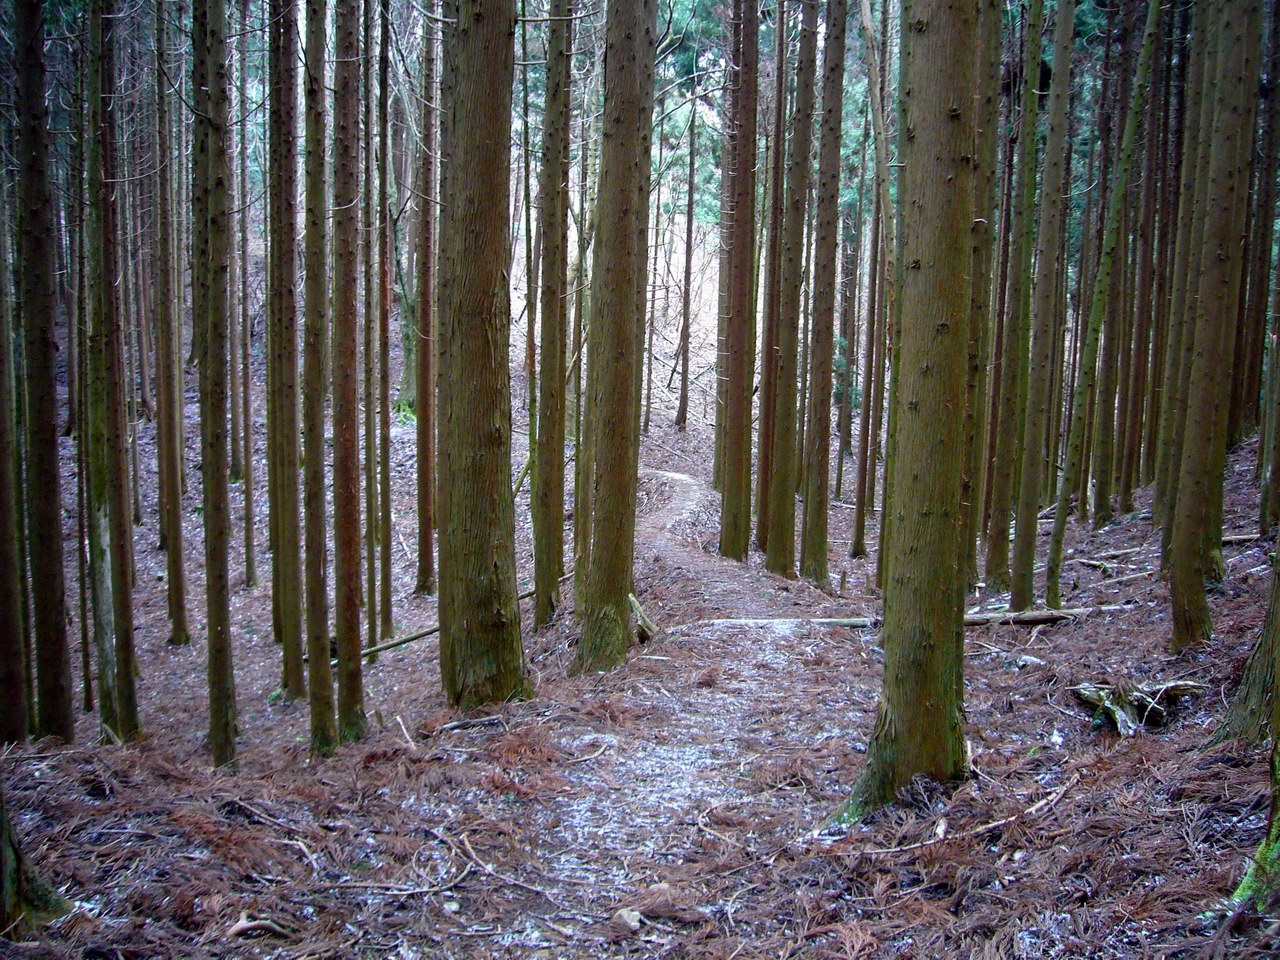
(481, 655)
(918, 722)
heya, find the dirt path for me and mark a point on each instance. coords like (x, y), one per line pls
(680, 786)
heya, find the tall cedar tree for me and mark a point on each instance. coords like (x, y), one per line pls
(481, 655)
(36, 281)
(780, 548)
(548, 476)
(425, 351)
(1044, 306)
(13, 656)
(169, 433)
(618, 282)
(282, 337)
(1197, 514)
(817, 472)
(314, 358)
(212, 243)
(736, 350)
(385, 623)
(918, 721)
(1017, 323)
(346, 440)
(109, 470)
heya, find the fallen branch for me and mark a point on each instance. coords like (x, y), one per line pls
(244, 926)
(1021, 618)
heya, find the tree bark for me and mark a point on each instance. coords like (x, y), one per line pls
(481, 656)
(618, 277)
(922, 605)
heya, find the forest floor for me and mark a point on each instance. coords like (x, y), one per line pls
(671, 808)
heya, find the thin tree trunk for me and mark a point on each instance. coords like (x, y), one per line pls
(425, 405)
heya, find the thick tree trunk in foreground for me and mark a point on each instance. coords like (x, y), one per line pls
(918, 722)
(617, 306)
(548, 471)
(817, 472)
(346, 411)
(324, 733)
(23, 895)
(36, 290)
(481, 655)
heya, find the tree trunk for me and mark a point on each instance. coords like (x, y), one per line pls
(922, 605)
(1043, 309)
(425, 405)
(1197, 509)
(324, 734)
(481, 656)
(346, 412)
(1097, 309)
(617, 300)
(780, 554)
(282, 407)
(13, 655)
(813, 538)
(735, 506)
(548, 469)
(212, 242)
(55, 698)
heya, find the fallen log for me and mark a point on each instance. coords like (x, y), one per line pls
(1029, 618)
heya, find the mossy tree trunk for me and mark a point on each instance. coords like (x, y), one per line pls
(618, 277)
(918, 721)
(481, 655)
